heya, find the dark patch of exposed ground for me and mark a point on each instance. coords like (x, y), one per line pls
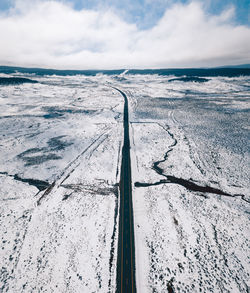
(15, 80)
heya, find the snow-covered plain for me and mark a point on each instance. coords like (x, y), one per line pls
(189, 241)
(67, 133)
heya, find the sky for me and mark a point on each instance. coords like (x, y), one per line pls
(115, 34)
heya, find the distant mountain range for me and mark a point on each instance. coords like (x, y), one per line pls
(235, 70)
(235, 66)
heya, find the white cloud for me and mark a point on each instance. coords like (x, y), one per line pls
(53, 34)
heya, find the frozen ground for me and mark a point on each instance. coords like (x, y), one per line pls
(59, 230)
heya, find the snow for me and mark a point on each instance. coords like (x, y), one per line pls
(63, 239)
(190, 241)
(182, 236)
(68, 132)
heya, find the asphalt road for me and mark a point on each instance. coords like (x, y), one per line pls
(126, 247)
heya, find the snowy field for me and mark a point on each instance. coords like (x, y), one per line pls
(60, 156)
(198, 134)
(65, 132)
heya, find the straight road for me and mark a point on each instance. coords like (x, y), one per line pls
(126, 246)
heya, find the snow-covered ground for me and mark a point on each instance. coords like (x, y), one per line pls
(189, 241)
(67, 133)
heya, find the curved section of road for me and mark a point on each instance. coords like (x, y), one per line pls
(126, 247)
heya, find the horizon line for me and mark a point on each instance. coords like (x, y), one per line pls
(238, 66)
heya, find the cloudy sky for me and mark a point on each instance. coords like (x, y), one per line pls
(109, 34)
